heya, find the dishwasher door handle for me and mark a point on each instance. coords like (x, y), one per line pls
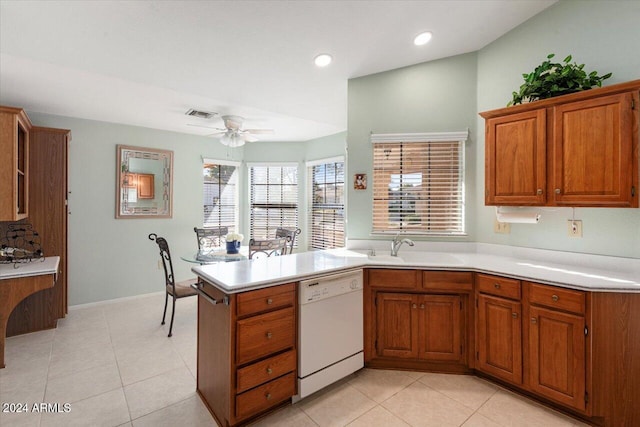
(198, 289)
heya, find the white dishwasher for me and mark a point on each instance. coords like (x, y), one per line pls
(330, 331)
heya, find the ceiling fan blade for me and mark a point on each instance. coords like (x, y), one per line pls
(259, 131)
(217, 133)
(206, 127)
(248, 137)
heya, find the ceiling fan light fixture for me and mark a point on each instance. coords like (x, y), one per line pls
(323, 60)
(232, 140)
(422, 38)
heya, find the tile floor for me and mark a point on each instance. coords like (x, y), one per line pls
(114, 365)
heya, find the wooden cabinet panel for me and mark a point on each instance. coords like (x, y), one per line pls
(515, 159)
(389, 278)
(455, 281)
(267, 299)
(592, 152)
(15, 128)
(499, 286)
(265, 370)
(440, 332)
(260, 398)
(397, 323)
(262, 335)
(557, 356)
(499, 338)
(558, 298)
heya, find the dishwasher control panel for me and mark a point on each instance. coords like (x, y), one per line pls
(329, 286)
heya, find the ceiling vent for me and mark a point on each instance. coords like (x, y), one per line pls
(200, 114)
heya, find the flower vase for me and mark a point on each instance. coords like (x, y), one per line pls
(233, 247)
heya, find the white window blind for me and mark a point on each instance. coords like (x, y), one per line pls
(418, 184)
(220, 194)
(326, 204)
(274, 199)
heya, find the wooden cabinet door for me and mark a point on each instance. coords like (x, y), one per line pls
(515, 159)
(396, 325)
(440, 331)
(594, 151)
(499, 338)
(557, 356)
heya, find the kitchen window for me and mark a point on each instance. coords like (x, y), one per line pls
(273, 198)
(220, 194)
(326, 203)
(418, 183)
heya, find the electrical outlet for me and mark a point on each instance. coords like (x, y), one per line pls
(501, 227)
(574, 228)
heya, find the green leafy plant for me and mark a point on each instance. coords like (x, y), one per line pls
(555, 79)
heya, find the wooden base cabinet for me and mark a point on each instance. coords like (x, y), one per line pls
(247, 351)
(419, 319)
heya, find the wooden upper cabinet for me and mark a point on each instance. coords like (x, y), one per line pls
(593, 161)
(515, 166)
(14, 164)
(573, 150)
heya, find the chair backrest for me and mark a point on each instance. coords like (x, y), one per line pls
(290, 235)
(165, 255)
(210, 237)
(267, 247)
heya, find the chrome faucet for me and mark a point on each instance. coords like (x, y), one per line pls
(396, 243)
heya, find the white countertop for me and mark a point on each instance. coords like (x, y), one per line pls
(571, 270)
(34, 268)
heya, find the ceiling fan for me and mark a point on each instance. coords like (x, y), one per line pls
(233, 135)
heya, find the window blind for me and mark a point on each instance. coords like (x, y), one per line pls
(418, 186)
(220, 195)
(274, 199)
(326, 204)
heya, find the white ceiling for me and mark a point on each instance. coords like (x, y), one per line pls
(146, 63)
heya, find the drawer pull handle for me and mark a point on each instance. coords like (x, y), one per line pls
(269, 371)
(496, 285)
(514, 315)
(555, 297)
(269, 301)
(414, 306)
(422, 306)
(534, 320)
(557, 191)
(539, 192)
(269, 335)
(268, 396)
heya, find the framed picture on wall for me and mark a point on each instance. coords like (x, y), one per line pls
(360, 181)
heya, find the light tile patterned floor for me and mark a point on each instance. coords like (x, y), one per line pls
(114, 365)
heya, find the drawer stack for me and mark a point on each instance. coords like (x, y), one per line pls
(265, 349)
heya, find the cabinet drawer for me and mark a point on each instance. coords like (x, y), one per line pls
(270, 394)
(264, 371)
(267, 299)
(386, 278)
(261, 335)
(447, 280)
(499, 286)
(563, 299)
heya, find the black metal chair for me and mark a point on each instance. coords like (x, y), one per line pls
(176, 290)
(210, 237)
(290, 234)
(268, 247)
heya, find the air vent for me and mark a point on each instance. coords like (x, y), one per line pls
(200, 114)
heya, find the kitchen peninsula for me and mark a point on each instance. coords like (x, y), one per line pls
(568, 327)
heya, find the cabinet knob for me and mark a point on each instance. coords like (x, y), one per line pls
(268, 396)
(269, 335)
(496, 285)
(414, 306)
(539, 192)
(534, 320)
(555, 297)
(514, 315)
(269, 301)
(422, 306)
(269, 371)
(557, 191)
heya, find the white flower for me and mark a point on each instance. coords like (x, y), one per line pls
(234, 236)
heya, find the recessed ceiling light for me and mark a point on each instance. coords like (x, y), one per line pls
(323, 60)
(422, 38)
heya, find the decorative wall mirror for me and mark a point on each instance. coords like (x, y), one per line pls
(144, 185)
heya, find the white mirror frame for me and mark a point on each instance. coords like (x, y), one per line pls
(161, 206)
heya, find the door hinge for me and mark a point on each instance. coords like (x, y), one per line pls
(633, 104)
(460, 304)
(586, 331)
(586, 397)
(476, 302)
(633, 191)
(477, 355)
(375, 301)
(376, 345)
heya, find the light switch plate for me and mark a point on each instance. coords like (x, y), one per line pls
(574, 228)
(501, 227)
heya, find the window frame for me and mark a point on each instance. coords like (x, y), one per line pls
(425, 138)
(236, 194)
(310, 200)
